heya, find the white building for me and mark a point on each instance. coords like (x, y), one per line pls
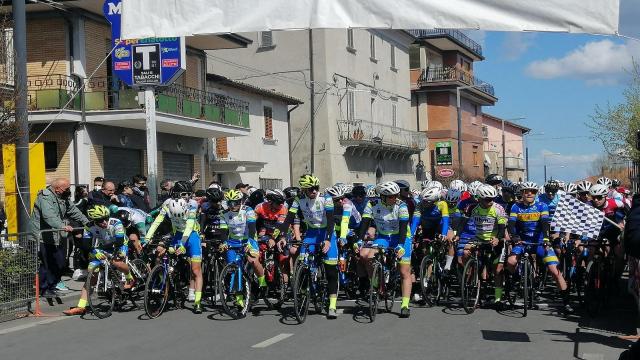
(355, 123)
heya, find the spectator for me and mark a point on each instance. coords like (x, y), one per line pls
(52, 210)
(98, 182)
(243, 188)
(105, 196)
(125, 191)
(140, 195)
(165, 190)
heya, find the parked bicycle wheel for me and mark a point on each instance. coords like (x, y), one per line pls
(100, 290)
(470, 286)
(429, 283)
(301, 293)
(156, 294)
(376, 287)
(320, 293)
(235, 291)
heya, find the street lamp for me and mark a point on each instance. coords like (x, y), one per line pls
(459, 114)
(544, 160)
(504, 153)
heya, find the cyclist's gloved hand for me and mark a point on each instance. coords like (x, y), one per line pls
(326, 246)
(100, 255)
(223, 247)
(122, 252)
(181, 250)
(342, 241)
(399, 251)
(357, 245)
(172, 250)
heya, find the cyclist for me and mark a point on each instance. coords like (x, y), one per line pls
(108, 235)
(317, 214)
(372, 194)
(359, 201)
(508, 195)
(464, 229)
(135, 224)
(183, 212)
(614, 210)
(434, 219)
(211, 224)
(406, 196)
(391, 219)
(529, 222)
(241, 222)
(583, 190)
(550, 196)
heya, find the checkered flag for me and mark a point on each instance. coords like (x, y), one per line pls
(575, 217)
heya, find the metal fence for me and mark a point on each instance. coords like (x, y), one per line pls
(18, 271)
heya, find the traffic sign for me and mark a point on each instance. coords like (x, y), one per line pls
(141, 62)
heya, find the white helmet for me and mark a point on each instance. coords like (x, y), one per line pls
(177, 208)
(430, 194)
(458, 185)
(605, 181)
(432, 183)
(371, 192)
(529, 185)
(599, 190)
(584, 186)
(453, 195)
(388, 188)
(572, 189)
(347, 188)
(336, 191)
(473, 187)
(486, 191)
(415, 192)
(251, 190)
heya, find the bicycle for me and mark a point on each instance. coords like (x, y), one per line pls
(170, 276)
(235, 284)
(599, 277)
(521, 284)
(433, 284)
(348, 270)
(309, 281)
(276, 292)
(384, 282)
(212, 264)
(471, 281)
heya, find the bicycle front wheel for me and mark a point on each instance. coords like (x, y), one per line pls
(100, 290)
(470, 286)
(429, 281)
(301, 292)
(375, 288)
(156, 292)
(234, 291)
(527, 287)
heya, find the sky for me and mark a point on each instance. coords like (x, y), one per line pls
(556, 81)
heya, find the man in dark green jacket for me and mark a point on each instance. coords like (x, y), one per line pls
(52, 210)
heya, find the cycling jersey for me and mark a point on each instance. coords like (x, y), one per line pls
(552, 203)
(268, 218)
(359, 207)
(528, 220)
(313, 211)
(138, 220)
(386, 218)
(614, 210)
(342, 214)
(241, 225)
(465, 207)
(106, 238)
(487, 221)
(185, 225)
(211, 223)
(434, 217)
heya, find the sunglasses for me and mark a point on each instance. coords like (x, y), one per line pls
(597, 197)
(102, 220)
(312, 189)
(233, 203)
(529, 191)
(185, 194)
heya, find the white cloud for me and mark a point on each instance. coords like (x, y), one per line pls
(602, 62)
(516, 44)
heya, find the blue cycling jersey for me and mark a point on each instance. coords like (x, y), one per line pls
(529, 220)
(552, 203)
(465, 208)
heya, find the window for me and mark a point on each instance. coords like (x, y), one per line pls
(270, 183)
(394, 115)
(351, 104)
(414, 57)
(485, 132)
(393, 57)
(222, 152)
(50, 155)
(350, 40)
(266, 39)
(268, 123)
(372, 47)
(475, 155)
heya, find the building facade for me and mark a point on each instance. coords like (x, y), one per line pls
(513, 167)
(444, 89)
(355, 123)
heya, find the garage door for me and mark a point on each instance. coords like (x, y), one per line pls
(121, 164)
(177, 166)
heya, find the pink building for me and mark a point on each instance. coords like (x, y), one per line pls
(515, 159)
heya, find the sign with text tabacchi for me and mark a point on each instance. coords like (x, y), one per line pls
(149, 61)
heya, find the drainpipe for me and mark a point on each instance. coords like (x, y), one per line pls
(289, 133)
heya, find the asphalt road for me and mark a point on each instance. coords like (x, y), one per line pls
(430, 333)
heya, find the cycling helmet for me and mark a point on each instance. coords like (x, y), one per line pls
(372, 192)
(214, 194)
(415, 192)
(562, 185)
(453, 196)
(98, 212)
(458, 185)
(388, 188)
(616, 183)
(529, 185)
(516, 188)
(124, 184)
(124, 216)
(291, 192)
(308, 181)
(486, 191)
(552, 186)
(347, 189)
(432, 183)
(359, 191)
(275, 195)
(584, 186)
(605, 181)
(336, 192)
(506, 183)
(493, 179)
(403, 184)
(430, 194)
(572, 189)
(181, 187)
(177, 208)
(233, 195)
(599, 190)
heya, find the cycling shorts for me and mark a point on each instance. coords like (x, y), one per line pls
(249, 246)
(193, 246)
(393, 241)
(94, 262)
(546, 253)
(317, 236)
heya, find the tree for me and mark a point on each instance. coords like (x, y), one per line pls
(616, 126)
(611, 167)
(8, 126)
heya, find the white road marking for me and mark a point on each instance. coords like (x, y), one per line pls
(30, 325)
(271, 341)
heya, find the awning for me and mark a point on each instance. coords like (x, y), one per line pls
(164, 18)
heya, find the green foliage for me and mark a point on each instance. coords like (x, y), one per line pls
(615, 126)
(17, 272)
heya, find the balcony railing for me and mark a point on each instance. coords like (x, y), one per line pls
(457, 35)
(444, 74)
(364, 132)
(54, 91)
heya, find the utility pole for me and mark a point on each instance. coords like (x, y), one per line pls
(18, 8)
(312, 103)
(152, 144)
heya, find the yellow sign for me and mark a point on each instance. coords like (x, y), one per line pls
(37, 181)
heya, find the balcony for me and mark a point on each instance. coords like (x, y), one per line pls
(371, 137)
(103, 94)
(514, 163)
(439, 75)
(450, 39)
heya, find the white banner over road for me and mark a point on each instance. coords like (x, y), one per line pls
(169, 18)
